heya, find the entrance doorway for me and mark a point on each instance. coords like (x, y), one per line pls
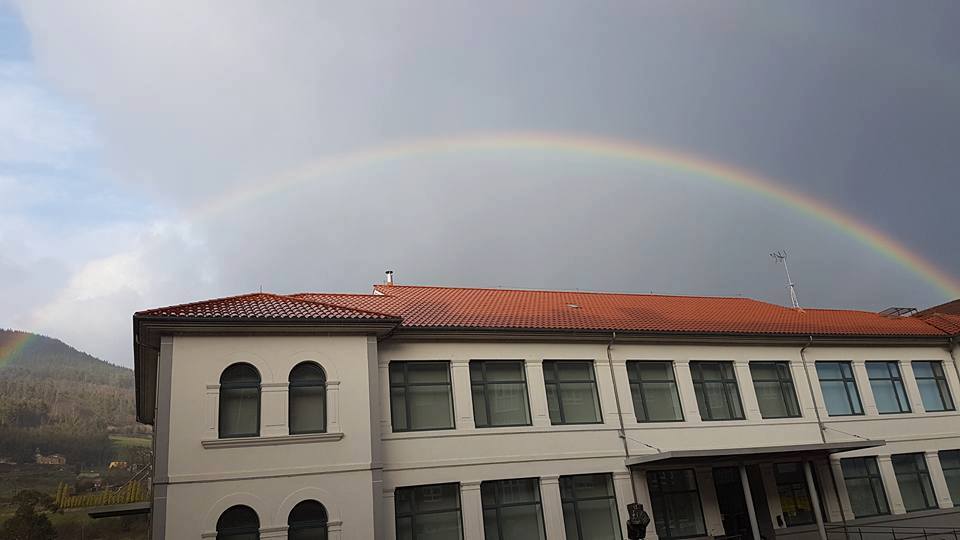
(733, 506)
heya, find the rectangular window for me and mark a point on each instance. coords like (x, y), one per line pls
(571, 392)
(934, 390)
(499, 389)
(887, 386)
(839, 388)
(794, 496)
(950, 462)
(776, 393)
(654, 390)
(676, 503)
(512, 510)
(916, 489)
(864, 486)
(420, 396)
(718, 396)
(428, 512)
(589, 507)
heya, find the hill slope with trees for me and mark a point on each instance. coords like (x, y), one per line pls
(56, 399)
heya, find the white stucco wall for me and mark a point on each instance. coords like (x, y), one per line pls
(344, 473)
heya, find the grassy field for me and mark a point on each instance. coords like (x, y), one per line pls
(126, 440)
(43, 478)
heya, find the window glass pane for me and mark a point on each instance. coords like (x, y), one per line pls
(307, 372)
(663, 403)
(579, 403)
(770, 399)
(716, 399)
(877, 370)
(436, 497)
(599, 520)
(950, 461)
(553, 404)
(522, 522)
(428, 372)
(829, 370)
(240, 374)
(570, 521)
(676, 503)
(794, 497)
(733, 399)
(239, 412)
(308, 406)
(885, 397)
(479, 406)
(491, 530)
(654, 371)
(835, 396)
(685, 514)
(864, 486)
(709, 371)
(916, 488)
(589, 507)
(404, 528)
(504, 371)
(438, 526)
(575, 371)
(764, 371)
(431, 512)
(922, 369)
(508, 404)
(398, 408)
(430, 407)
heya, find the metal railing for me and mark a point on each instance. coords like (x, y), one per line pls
(888, 532)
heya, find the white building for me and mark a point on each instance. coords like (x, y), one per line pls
(438, 413)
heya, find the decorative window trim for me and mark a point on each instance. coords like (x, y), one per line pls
(239, 442)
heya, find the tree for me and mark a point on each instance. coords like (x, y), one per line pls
(27, 523)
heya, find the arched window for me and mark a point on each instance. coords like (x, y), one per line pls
(307, 521)
(240, 401)
(308, 399)
(238, 523)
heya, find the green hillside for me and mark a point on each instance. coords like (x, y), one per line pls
(56, 399)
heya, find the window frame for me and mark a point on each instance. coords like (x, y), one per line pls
(406, 401)
(954, 494)
(922, 473)
(498, 505)
(310, 525)
(869, 477)
(575, 500)
(485, 384)
(556, 383)
(846, 387)
(943, 385)
(637, 388)
(696, 374)
(781, 383)
(659, 492)
(291, 384)
(227, 532)
(894, 380)
(414, 512)
(239, 386)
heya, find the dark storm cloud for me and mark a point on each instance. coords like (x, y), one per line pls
(855, 103)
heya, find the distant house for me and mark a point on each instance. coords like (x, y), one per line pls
(52, 459)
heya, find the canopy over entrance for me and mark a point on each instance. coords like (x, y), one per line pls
(753, 453)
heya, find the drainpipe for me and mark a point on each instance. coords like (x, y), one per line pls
(823, 436)
(622, 431)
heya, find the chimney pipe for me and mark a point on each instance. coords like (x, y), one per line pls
(389, 277)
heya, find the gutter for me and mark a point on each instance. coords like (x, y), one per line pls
(622, 432)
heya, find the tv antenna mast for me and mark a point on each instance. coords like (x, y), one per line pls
(781, 257)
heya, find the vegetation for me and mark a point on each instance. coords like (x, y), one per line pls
(55, 399)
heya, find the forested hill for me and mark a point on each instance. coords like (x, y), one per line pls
(58, 399)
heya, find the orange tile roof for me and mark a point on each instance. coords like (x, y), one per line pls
(260, 306)
(948, 322)
(465, 308)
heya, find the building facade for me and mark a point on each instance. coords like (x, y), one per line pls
(435, 413)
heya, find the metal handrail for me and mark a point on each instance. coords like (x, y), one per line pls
(906, 532)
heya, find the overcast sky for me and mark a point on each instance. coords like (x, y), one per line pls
(127, 129)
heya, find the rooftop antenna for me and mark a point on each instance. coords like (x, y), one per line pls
(781, 257)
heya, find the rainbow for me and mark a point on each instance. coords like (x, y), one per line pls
(610, 149)
(11, 347)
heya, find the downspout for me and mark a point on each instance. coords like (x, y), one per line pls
(622, 432)
(823, 429)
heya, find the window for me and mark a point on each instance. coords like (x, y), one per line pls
(934, 389)
(950, 461)
(654, 390)
(794, 496)
(512, 510)
(499, 390)
(571, 392)
(864, 486)
(916, 489)
(429, 512)
(239, 401)
(238, 523)
(676, 503)
(420, 396)
(887, 386)
(308, 399)
(589, 507)
(839, 388)
(307, 521)
(716, 387)
(776, 393)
